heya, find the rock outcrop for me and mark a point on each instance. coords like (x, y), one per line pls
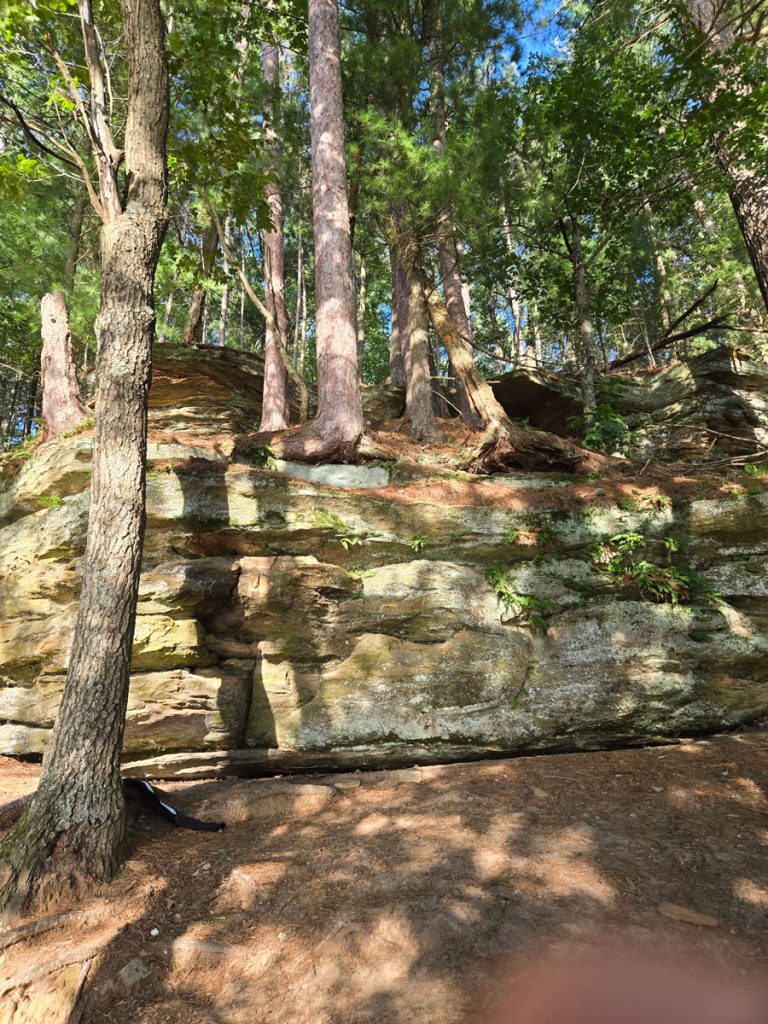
(285, 621)
(716, 401)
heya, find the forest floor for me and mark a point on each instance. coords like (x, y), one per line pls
(405, 896)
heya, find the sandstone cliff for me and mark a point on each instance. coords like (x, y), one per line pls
(311, 615)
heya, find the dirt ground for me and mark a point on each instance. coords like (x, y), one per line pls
(405, 896)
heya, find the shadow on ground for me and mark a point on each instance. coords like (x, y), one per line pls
(402, 896)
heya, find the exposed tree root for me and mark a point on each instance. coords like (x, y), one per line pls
(506, 446)
(44, 865)
(314, 444)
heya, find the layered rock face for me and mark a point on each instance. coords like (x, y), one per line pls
(290, 621)
(716, 401)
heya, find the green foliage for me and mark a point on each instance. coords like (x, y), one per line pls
(50, 501)
(330, 521)
(608, 432)
(417, 544)
(531, 609)
(621, 563)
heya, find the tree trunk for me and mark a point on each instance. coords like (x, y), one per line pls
(299, 288)
(447, 249)
(504, 443)
(362, 305)
(454, 300)
(62, 408)
(748, 187)
(418, 400)
(30, 409)
(533, 311)
(581, 294)
(193, 331)
(398, 337)
(8, 420)
(224, 309)
(73, 832)
(75, 234)
(167, 311)
(275, 411)
(339, 424)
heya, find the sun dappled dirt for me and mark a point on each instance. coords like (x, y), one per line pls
(401, 896)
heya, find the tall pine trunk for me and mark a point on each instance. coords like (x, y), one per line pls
(586, 328)
(398, 337)
(339, 424)
(72, 834)
(275, 412)
(419, 408)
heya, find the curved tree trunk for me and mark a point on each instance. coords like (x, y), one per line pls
(275, 412)
(339, 424)
(504, 443)
(72, 834)
(63, 409)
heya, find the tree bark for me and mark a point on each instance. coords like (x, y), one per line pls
(586, 327)
(748, 186)
(275, 411)
(418, 400)
(30, 406)
(75, 234)
(339, 424)
(398, 337)
(504, 443)
(447, 249)
(63, 409)
(362, 305)
(193, 330)
(224, 309)
(299, 288)
(72, 834)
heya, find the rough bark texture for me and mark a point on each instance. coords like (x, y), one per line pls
(62, 408)
(224, 308)
(339, 424)
(586, 328)
(193, 331)
(418, 399)
(275, 414)
(75, 233)
(399, 333)
(749, 187)
(72, 834)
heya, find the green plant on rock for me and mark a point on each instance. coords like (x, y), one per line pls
(663, 584)
(345, 535)
(417, 544)
(532, 609)
(50, 501)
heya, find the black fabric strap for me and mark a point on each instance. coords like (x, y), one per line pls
(156, 801)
